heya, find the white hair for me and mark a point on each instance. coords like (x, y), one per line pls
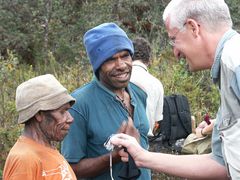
(214, 14)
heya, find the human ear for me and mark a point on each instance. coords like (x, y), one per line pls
(39, 116)
(193, 26)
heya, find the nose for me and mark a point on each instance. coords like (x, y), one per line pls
(69, 118)
(120, 63)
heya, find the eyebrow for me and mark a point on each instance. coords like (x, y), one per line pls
(125, 53)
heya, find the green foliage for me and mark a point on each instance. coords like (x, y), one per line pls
(235, 11)
(7, 88)
(39, 37)
(32, 29)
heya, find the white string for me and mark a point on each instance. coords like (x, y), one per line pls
(111, 166)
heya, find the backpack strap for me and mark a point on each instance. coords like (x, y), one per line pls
(184, 112)
(174, 118)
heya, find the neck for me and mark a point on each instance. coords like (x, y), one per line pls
(210, 48)
(121, 94)
(33, 131)
(125, 99)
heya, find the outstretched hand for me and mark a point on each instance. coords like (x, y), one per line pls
(132, 146)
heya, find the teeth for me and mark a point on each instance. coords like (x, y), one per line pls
(122, 75)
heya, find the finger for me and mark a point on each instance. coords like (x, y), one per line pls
(124, 159)
(123, 153)
(123, 140)
(130, 121)
(131, 130)
(123, 127)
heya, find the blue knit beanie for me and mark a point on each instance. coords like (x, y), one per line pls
(105, 40)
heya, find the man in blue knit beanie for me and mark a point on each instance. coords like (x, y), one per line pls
(107, 105)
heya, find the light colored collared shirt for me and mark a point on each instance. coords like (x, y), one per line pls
(154, 90)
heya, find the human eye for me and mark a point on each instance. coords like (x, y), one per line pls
(126, 56)
(172, 41)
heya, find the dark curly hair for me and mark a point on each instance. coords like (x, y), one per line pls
(142, 50)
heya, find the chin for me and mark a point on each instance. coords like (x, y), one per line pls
(123, 84)
(61, 138)
(192, 69)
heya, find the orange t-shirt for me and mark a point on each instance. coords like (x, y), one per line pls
(30, 160)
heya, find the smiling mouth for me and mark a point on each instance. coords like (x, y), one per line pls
(122, 75)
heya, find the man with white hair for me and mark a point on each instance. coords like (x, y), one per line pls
(42, 103)
(200, 31)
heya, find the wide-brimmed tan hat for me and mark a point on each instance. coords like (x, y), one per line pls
(40, 93)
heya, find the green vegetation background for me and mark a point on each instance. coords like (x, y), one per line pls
(45, 36)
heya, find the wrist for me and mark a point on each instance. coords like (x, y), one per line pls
(203, 133)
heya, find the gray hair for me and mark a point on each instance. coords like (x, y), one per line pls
(213, 14)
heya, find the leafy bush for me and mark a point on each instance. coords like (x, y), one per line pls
(47, 38)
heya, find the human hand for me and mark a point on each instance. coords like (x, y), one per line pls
(128, 127)
(156, 128)
(132, 146)
(131, 130)
(115, 154)
(204, 129)
(122, 128)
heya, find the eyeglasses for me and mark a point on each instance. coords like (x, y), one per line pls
(172, 40)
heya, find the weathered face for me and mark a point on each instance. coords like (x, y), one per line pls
(56, 123)
(190, 42)
(115, 73)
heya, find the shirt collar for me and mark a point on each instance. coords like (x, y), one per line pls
(215, 70)
(100, 85)
(140, 64)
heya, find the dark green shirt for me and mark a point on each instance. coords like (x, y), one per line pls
(97, 114)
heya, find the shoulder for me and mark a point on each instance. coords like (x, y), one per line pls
(84, 91)
(21, 167)
(137, 90)
(20, 158)
(155, 81)
(230, 54)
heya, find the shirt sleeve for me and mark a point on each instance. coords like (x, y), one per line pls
(159, 108)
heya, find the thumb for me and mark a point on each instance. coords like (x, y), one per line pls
(123, 127)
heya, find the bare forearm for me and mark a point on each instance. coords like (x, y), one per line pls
(186, 166)
(91, 167)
